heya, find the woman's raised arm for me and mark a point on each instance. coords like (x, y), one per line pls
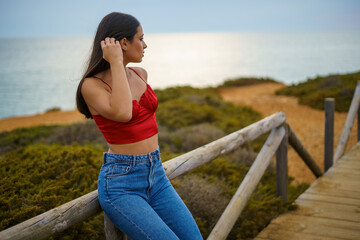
(116, 105)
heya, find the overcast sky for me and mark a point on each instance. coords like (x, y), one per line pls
(27, 18)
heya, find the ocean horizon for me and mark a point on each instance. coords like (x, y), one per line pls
(37, 74)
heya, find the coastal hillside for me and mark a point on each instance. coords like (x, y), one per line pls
(313, 91)
(61, 162)
(307, 122)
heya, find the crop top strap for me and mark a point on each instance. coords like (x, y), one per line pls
(138, 74)
(103, 82)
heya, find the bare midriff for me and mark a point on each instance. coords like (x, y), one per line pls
(138, 148)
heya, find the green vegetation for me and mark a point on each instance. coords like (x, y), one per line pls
(240, 82)
(37, 178)
(314, 91)
(44, 167)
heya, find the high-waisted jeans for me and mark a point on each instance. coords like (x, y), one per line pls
(139, 199)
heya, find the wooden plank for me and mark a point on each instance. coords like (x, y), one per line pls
(329, 199)
(319, 230)
(352, 153)
(328, 210)
(330, 191)
(347, 177)
(274, 232)
(315, 226)
(336, 183)
(343, 171)
(349, 164)
(353, 159)
(315, 221)
(345, 185)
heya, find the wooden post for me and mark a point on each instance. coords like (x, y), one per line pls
(111, 232)
(282, 168)
(329, 133)
(247, 186)
(303, 153)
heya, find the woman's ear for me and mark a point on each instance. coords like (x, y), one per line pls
(123, 43)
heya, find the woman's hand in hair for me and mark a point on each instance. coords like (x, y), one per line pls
(112, 51)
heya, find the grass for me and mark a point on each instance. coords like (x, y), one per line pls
(313, 91)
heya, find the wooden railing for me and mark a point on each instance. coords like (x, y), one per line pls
(329, 158)
(68, 214)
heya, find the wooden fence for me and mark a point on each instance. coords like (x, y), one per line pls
(68, 214)
(329, 158)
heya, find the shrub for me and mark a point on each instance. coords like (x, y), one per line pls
(38, 178)
(195, 136)
(53, 109)
(22, 137)
(188, 106)
(179, 113)
(314, 91)
(178, 92)
(205, 200)
(82, 133)
(240, 82)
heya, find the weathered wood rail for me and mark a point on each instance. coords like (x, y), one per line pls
(68, 214)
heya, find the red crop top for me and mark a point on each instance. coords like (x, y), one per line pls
(141, 126)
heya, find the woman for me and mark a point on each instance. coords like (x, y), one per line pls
(134, 191)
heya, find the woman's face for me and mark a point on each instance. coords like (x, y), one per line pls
(135, 49)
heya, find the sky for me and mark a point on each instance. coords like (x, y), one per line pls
(41, 18)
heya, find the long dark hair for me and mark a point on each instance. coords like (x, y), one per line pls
(116, 25)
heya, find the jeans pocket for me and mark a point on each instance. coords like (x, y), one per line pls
(118, 169)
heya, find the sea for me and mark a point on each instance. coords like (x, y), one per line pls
(38, 74)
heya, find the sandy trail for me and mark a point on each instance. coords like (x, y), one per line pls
(53, 117)
(307, 123)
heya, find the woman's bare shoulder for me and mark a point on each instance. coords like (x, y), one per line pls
(141, 71)
(90, 84)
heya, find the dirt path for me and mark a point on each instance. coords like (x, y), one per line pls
(307, 123)
(55, 117)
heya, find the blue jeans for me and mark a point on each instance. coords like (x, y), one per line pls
(139, 199)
